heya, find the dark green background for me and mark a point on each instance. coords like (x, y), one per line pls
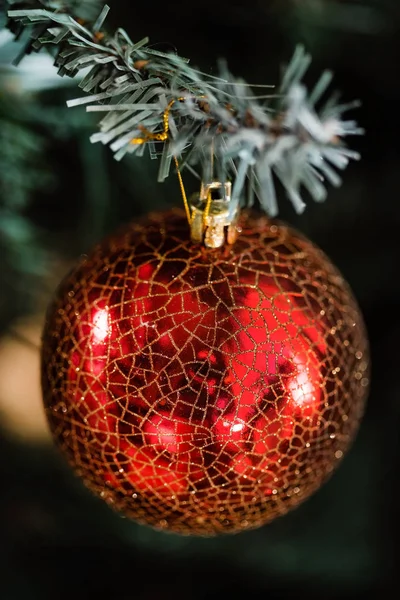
(56, 540)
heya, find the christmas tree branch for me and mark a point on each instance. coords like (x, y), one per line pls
(158, 101)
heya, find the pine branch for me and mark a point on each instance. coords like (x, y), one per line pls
(158, 101)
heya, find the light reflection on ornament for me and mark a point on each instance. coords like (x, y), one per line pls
(101, 325)
(303, 391)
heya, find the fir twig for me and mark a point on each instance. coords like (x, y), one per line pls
(156, 100)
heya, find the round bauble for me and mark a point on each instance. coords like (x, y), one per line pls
(202, 390)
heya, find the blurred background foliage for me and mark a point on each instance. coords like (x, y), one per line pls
(59, 194)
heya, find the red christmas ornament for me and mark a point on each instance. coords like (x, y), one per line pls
(204, 390)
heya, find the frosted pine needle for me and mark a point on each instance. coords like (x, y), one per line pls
(218, 123)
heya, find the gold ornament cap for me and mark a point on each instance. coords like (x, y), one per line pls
(212, 220)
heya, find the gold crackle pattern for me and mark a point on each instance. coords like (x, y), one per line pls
(204, 391)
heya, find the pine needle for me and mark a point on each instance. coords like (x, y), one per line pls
(253, 139)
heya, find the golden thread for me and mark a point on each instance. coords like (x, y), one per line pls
(207, 207)
(209, 194)
(212, 159)
(161, 136)
(183, 192)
